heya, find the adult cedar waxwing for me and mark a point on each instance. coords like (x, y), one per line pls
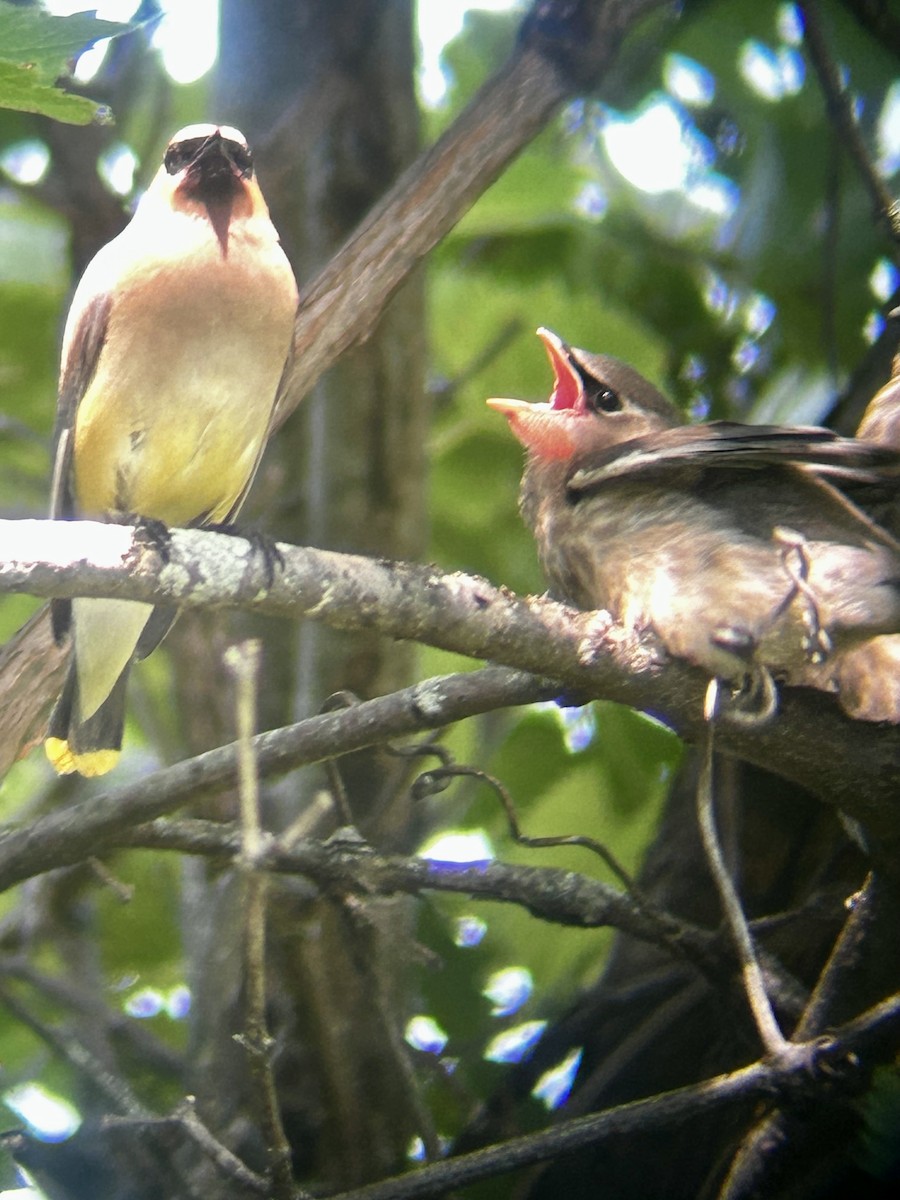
(754, 552)
(173, 350)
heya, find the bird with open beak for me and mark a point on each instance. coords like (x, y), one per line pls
(174, 346)
(754, 552)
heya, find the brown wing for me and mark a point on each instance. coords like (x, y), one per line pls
(726, 445)
(80, 368)
(859, 477)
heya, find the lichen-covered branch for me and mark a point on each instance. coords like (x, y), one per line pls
(585, 652)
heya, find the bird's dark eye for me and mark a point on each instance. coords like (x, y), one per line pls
(242, 158)
(182, 154)
(604, 399)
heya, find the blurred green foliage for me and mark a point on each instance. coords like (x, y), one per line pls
(647, 277)
(35, 51)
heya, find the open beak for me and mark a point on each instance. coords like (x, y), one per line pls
(567, 385)
(536, 425)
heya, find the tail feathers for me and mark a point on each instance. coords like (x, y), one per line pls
(90, 747)
(60, 619)
(158, 625)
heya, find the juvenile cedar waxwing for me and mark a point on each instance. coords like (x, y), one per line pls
(754, 552)
(173, 350)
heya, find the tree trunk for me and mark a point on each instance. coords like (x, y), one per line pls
(323, 90)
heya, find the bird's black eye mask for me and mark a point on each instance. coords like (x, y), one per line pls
(598, 396)
(193, 151)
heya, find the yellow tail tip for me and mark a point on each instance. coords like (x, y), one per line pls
(61, 757)
(90, 764)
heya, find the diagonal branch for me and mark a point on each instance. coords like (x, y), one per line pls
(69, 835)
(758, 1082)
(563, 46)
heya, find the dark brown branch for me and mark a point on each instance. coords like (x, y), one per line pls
(840, 108)
(757, 1082)
(70, 835)
(587, 652)
(564, 45)
(773, 1145)
(337, 869)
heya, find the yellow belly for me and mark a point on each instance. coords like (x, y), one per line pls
(174, 419)
(176, 463)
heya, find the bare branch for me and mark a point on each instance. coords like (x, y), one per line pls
(243, 662)
(754, 985)
(563, 46)
(586, 652)
(338, 869)
(759, 1081)
(70, 835)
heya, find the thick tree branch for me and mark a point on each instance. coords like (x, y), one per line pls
(563, 46)
(586, 652)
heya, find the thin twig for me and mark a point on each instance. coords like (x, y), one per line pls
(243, 662)
(339, 799)
(72, 1050)
(184, 1117)
(840, 108)
(760, 1081)
(437, 779)
(754, 984)
(226, 1160)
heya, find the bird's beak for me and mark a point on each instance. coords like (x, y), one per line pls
(215, 149)
(567, 386)
(537, 426)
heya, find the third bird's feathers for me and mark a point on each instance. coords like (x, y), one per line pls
(744, 548)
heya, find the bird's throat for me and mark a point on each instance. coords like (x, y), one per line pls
(220, 206)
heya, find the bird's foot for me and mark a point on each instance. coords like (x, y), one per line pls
(150, 533)
(817, 644)
(263, 545)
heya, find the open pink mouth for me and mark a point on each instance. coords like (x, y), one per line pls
(547, 429)
(567, 387)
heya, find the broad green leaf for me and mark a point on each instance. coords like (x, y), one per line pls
(20, 89)
(33, 38)
(36, 50)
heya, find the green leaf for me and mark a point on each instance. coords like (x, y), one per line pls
(37, 50)
(32, 38)
(20, 90)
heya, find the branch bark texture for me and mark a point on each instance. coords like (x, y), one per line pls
(586, 652)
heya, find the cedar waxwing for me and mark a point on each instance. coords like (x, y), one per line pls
(755, 552)
(172, 354)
